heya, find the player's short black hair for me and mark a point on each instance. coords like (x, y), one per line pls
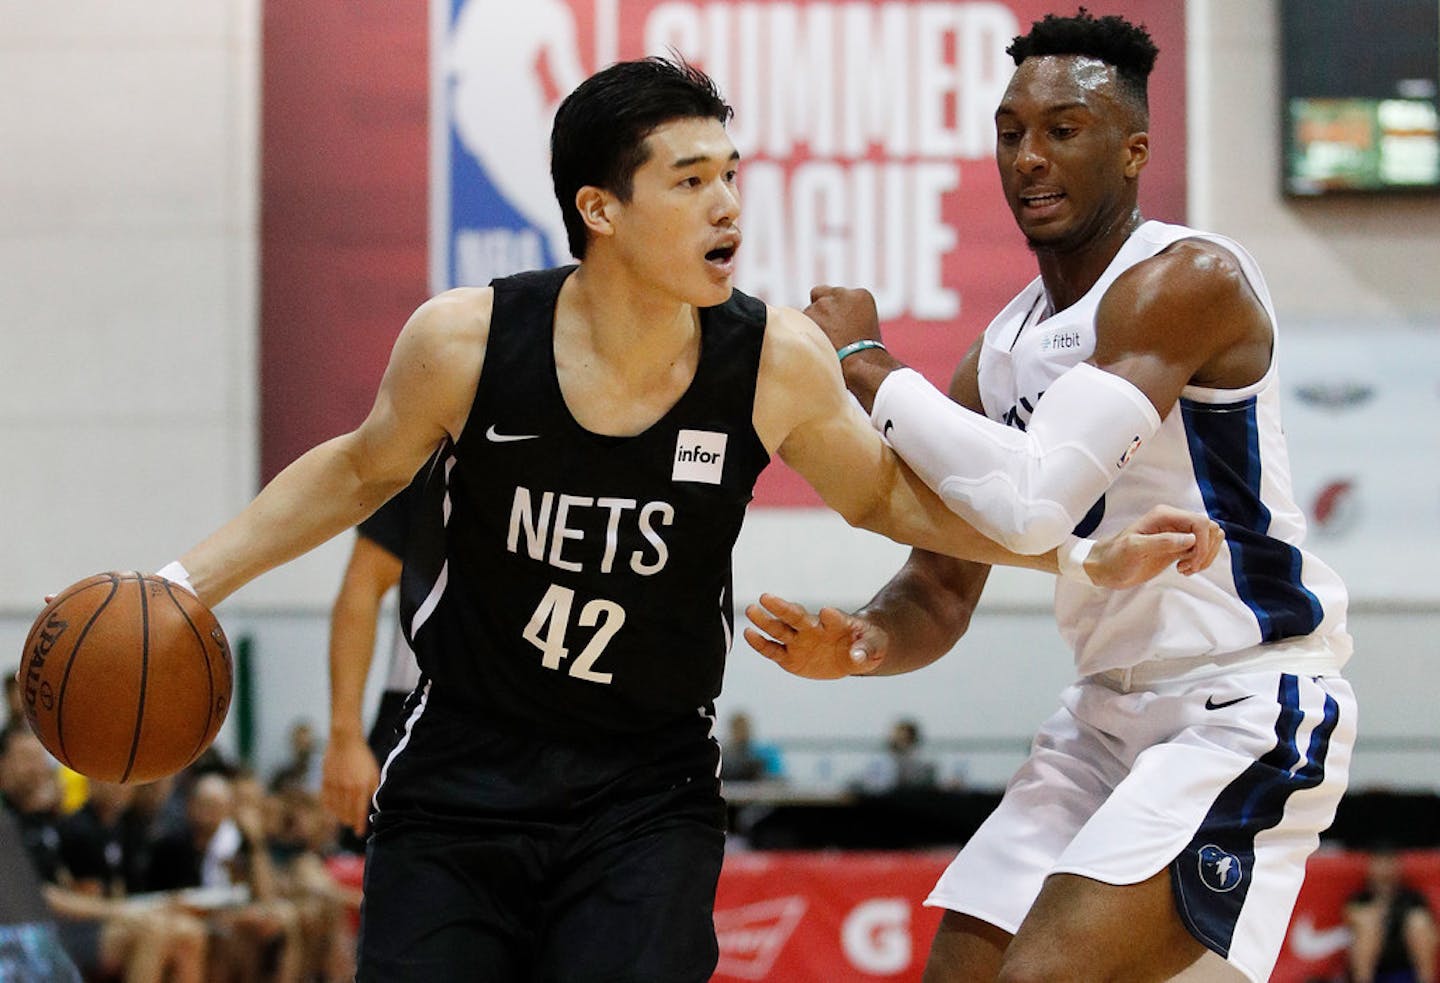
(599, 134)
(1112, 39)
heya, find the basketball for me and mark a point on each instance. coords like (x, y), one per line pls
(126, 677)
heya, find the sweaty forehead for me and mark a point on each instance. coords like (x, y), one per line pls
(1046, 80)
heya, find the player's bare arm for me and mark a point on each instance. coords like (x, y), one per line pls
(423, 398)
(912, 621)
(802, 413)
(350, 773)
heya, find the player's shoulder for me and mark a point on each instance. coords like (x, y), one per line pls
(461, 314)
(1189, 271)
(793, 342)
(459, 305)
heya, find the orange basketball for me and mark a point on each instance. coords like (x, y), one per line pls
(126, 677)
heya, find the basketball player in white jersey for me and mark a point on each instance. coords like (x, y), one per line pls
(1169, 806)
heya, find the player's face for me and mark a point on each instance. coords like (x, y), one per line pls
(679, 229)
(1066, 154)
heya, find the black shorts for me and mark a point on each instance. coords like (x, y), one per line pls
(568, 881)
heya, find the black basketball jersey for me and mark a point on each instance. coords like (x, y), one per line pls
(574, 582)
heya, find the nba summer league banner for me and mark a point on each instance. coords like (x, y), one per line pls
(866, 132)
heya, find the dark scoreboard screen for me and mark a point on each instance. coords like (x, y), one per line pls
(1360, 96)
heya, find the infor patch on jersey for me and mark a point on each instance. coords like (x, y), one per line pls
(699, 456)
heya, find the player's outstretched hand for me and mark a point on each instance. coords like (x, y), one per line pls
(830, 646)
(1161, 538)
(845, 314)
(349, 779)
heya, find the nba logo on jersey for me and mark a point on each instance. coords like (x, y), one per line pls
(1129, 453)
(699, 456)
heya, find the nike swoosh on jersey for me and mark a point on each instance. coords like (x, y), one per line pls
(1210, 703)
(496, 437)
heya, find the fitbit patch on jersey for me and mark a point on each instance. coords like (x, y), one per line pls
(699, 456)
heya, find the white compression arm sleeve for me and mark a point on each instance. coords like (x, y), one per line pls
(1024, 489)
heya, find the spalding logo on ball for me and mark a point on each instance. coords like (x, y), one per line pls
(126, 677)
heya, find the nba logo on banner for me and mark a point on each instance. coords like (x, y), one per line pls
(498, 72)
(855, 122)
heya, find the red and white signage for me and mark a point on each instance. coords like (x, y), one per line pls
(866, 131)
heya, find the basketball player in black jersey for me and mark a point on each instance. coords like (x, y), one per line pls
(593, 433)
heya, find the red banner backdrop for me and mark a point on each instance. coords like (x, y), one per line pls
(815, 918)
(866, 130)
(822, 917)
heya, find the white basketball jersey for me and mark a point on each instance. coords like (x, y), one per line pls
(1220, 452)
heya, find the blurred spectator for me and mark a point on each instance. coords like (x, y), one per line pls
(304, 836)
(104, 935)
(104, 853)
(302, 771)
(29, 942)
(905, 766)
(743, 759)
(28, 788)
(1393, 934)
(222, 849)
(14, 704)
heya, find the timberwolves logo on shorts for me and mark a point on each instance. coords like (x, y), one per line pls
(1219, 871)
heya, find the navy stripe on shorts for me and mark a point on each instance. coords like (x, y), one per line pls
(1212, 875)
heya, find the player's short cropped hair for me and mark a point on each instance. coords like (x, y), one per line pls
(1112, 39)
(599, 134)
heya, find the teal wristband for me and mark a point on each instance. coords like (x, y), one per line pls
(859, 346)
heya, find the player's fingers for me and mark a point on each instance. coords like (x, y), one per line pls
(795, 615)
(768, 623)
(782, 618)
(1175, 543)
(864, 647)
(767, 647)
(819, 291)
(1208, 541)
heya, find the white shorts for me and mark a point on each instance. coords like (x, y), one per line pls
(1228, 781)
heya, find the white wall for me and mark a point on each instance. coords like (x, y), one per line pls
(128, 225)
(1355, 259)
(127, 268)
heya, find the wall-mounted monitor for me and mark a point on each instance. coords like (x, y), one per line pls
(1360, 96)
